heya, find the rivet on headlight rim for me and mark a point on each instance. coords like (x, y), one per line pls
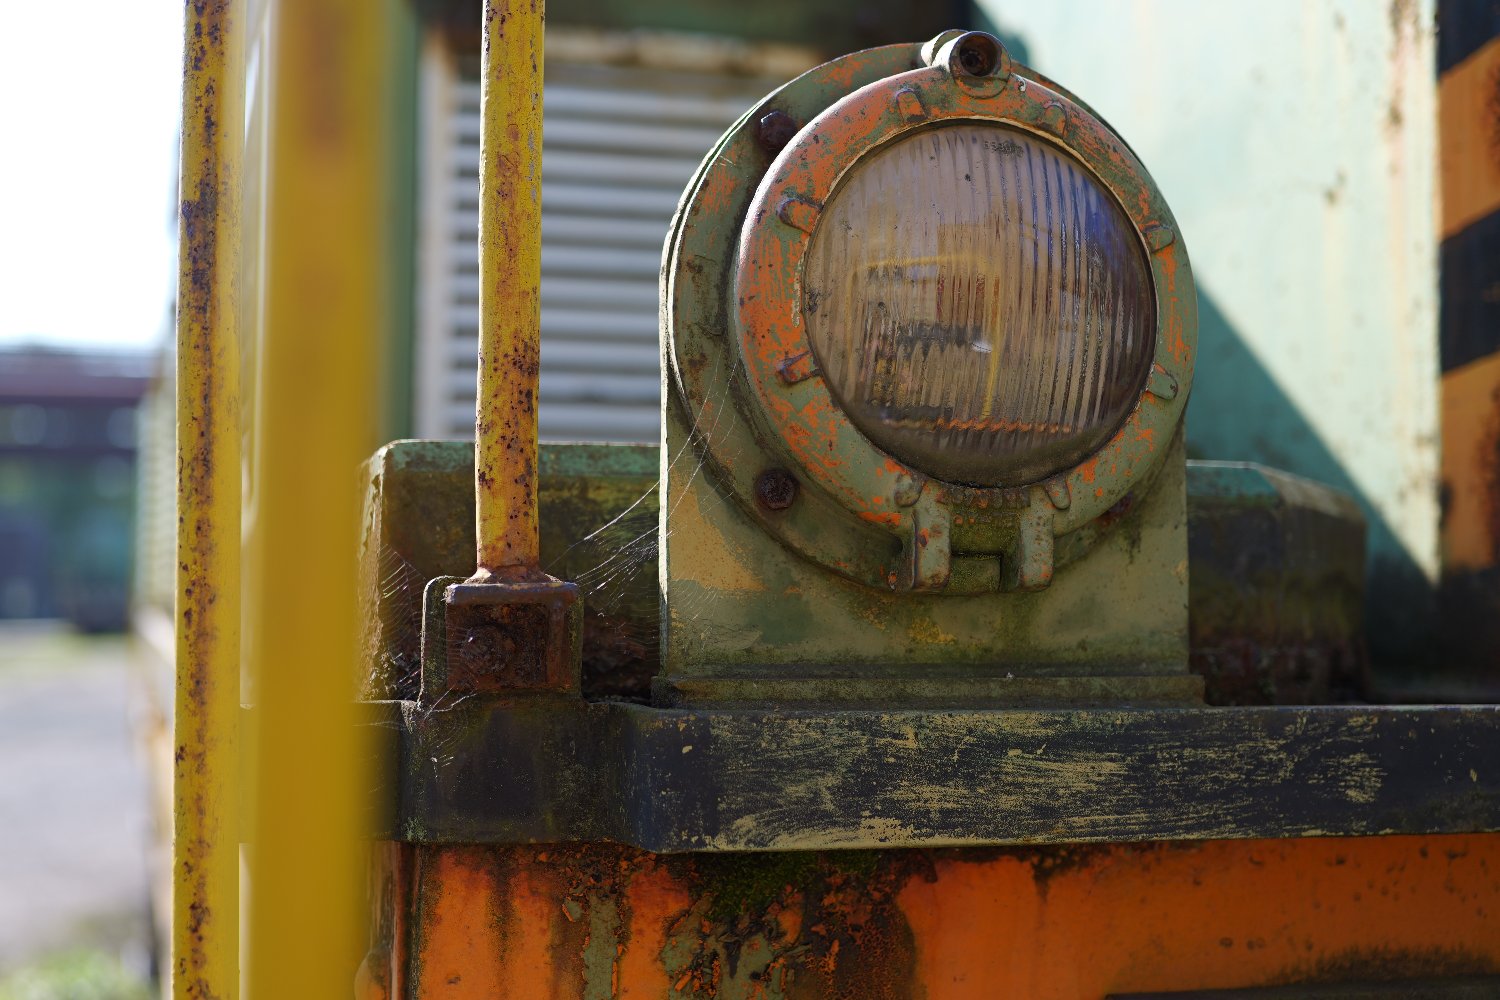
(1161, 383)
(797, 367)
(1055, 119)
(1159, 236)
(799, 213)
(909, 104)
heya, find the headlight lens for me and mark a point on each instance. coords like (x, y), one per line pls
(979, 305)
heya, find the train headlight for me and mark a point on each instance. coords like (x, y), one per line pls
(979, 305)
(928, 318)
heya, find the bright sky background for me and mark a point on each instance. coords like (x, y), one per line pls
(89, 94)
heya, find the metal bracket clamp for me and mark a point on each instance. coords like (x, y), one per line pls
(506, 637)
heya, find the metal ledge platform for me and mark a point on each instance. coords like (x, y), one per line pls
(548, 770)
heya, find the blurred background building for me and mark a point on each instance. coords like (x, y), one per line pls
(67, 483)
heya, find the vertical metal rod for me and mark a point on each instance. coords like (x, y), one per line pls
(205, 845)
(322, 287)
(510, 268)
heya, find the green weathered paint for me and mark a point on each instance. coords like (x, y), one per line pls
(738, 602)
(419, 517)
(1304, 539)
(749, 589)
(1297, 148)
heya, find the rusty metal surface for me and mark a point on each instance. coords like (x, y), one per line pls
(1454, 988)
(866, 566)
(1066, 923)
(598, 508)
(733, 331)
(205, 856)
(510, 267)
(513, 637)
(1273, 593)
(739, 604)
(529, 770)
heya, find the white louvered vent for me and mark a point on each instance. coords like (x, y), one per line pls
(619, 144)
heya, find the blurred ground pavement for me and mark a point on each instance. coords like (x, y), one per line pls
(74, 827)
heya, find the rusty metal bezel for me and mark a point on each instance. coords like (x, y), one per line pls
(769, 321)
(785, 408)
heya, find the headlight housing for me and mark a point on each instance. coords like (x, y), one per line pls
(949, 325)
(979, 305)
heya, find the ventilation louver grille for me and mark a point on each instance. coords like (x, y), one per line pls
(619, 145)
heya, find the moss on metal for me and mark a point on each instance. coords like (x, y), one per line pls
(1276, 571)
(1277, 575)
(419, 524)
(597, 920)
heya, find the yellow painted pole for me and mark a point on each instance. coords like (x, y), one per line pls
(510, 269)
(322, 290)
(205, 842)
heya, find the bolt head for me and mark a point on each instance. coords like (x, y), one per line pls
(775, 130)
(775, 489)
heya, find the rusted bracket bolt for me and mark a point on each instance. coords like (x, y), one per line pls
(775, 489)
(510, 637)
(774, 131)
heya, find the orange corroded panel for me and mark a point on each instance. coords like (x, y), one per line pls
(1468, 169)
(1216, 915)
(1067, 923)
(1471, 465)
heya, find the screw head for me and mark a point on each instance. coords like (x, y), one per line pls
(774, 131)
(775, 489)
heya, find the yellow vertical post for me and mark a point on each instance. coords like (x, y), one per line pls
(322, 290)
(205, 844)
(510, 274)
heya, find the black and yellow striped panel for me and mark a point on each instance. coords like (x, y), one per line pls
(1469, 175)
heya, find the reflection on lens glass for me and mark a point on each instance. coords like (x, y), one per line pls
(979, 305)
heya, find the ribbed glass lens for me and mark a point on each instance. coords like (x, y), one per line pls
(979, 305)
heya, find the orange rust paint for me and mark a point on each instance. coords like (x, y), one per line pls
(715, 194)
(1167, 258)
(654, 901)
(1218, 915)
(459, 945)
(1064, 923)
